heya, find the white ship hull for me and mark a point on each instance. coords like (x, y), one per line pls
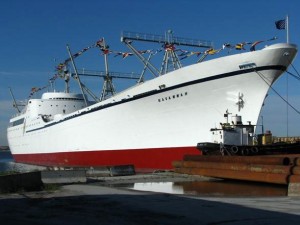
(154, 123)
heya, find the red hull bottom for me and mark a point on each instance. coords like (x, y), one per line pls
(158, 158)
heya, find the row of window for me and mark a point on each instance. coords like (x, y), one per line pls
(32, 124)
(68, 99)
(64, 106)
(172, 97)
(17, 122)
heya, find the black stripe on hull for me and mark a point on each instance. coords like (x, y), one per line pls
(154, 92)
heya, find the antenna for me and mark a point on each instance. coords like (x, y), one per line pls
(287, 29)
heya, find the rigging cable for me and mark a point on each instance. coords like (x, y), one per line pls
(293, 75)
(294, 69)
(264, 79)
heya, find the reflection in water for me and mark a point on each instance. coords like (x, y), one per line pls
(214, 188)
(233, 188)
(162, 187)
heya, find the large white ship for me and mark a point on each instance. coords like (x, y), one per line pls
(152, 123)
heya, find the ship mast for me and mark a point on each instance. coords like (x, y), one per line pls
(77, 77)
(108, 87)
(170, 57)
(171, 60)
(15, 102)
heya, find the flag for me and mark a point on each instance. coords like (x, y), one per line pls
(252, 48)
(183, 52)
(280, 24)
(240, 46)
(99, 43)
(211, 51)
(105, 51)
(125, 54)
(169, 47)
(226, 45)
(34, 89)
(190, 54)
(272, 39)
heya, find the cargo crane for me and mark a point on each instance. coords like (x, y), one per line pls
(171, 60)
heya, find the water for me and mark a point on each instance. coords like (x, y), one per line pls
(5, 156)
(225, 188)
(213, 188)
(7, 164)
(5, 160)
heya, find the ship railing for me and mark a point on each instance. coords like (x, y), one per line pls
(128, 35)
(92, 73)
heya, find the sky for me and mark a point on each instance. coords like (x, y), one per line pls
(34, 35)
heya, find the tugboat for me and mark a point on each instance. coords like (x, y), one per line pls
(235, 138)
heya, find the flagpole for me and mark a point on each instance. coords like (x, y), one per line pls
(287, 29)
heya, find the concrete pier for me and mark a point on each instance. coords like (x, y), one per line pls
(97, 203)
